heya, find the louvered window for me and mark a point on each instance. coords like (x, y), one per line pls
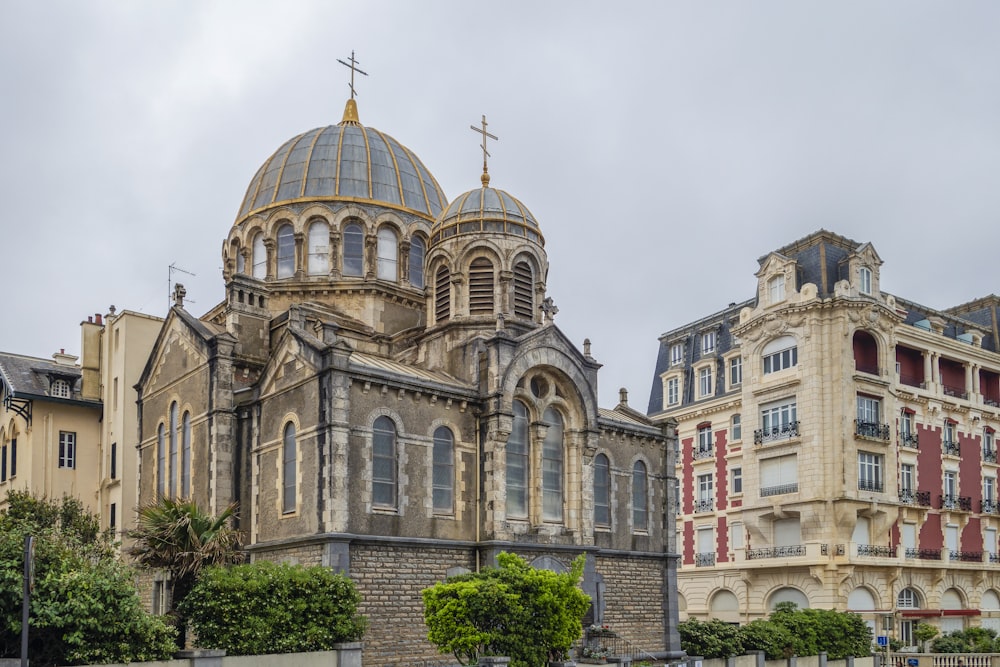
(442, 294)
(523, 291)
(481, 287)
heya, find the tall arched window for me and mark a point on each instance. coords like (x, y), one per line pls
(354, 250)
(186, 455)
(286, 251)
(552, 467)
(444, 470)
(388, 255)
(241, 263)
(259, 257)
(161, 462)
(640, 500)
(384, 463)
(481, 287)
(517, 464)
(289, 469)
(418, 249)
(524, 291)
(602, 491)
(319, 248)
(442, 294)
(173, 449)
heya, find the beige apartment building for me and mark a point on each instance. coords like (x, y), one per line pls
(837, 448)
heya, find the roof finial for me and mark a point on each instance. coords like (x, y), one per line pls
(351, 110)
(485, 178)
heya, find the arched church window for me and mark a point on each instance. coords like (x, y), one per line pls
(286, 251)
(354, 249)
(640, 500)
(259, 257)
(387, 254)
(319, 248)
(481, 287)
(161, 461)
(186, 455)
(602, 491)
(172, 435)
(240, 260)
(384, 463)
(552, 467)
(289, 472)
(418, 249)
(517, 464)
(444, 470)
(442, 294)
(524, 292)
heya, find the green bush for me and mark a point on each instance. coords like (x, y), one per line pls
(763, 635)
(265, 608)
(710, 639)
(970, 640)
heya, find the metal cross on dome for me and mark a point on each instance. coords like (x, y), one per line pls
(354, 68)
(486, 154)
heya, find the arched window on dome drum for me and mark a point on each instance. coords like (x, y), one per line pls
(240, 259)
(481, 287)
(354, 249)
(161, 462)
(524, 292)
(442, 294)
(418, 248)
(286, 251)
(552, 467)
(172, 435)
(384, 463)
(444, 471)
(319, 248)
(640, 513)
(186, 455)
(259, 257)
(289, 472)
(517, 464)
(602, 491)
(388, 258)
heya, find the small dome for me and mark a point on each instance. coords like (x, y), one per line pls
(345, 162)
(486, 210)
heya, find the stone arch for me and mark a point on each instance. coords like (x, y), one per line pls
(868, 351)
(386, 412)
(560, 363)
(787, 594)
(549, 563)
(862, 599)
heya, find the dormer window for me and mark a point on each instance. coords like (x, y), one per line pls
(865, 281)
(676, 353)
(708, 342)
(776, 289)
(59, 389)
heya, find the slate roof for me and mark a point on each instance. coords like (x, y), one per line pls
(27, 377)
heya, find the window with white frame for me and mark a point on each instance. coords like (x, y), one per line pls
(950, 437)
(950, 500)
(708, 342)
(906, 480)
(676, 353)
(778, 420)
(989, 489)
(870, 471)
(869, 422)
(906, 434)
(736, 536)
(705, 484)
(865, 282)
(779, 354)
(736, 430)
(735, 371)
(673, 391)
(989, 443)
(59, 389)
(990, 541)
(705, 439)
(907, 599)
(736, 478)
(705, 381)
(779, 474)
(776, 289)
(67, 449)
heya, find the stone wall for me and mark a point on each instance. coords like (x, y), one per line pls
(633, 597)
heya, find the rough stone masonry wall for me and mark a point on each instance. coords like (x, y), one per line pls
(634, 599)
(390, 579)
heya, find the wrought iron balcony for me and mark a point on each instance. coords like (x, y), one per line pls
(703, 505)
(923, 554)
(871, 485)
(957, 392)
(995, 558)
(704, 560)
(871, 369)
(988, 506)
(781, 432)
(906, 496)
(950, 502)
(778, 490)
(872, 430)
(875, 550)
(911, 497)
(911, 380)
(990, 455)
(966, 556)
(776, 552)
(909, 440)
(703, 453)
(995, 402)
(950, 447)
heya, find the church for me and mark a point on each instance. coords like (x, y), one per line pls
(383, 391)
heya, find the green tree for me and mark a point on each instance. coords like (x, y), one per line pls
(84, 606)
(710, 639)
(267, 608)
(176, 536)
(764, 635)
(923, 633)
(531, 615)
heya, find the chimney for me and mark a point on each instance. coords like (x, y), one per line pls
(90, 350)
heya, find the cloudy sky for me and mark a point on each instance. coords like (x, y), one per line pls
(663, 146)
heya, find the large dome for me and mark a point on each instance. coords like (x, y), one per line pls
(486, 210)
(345, 162)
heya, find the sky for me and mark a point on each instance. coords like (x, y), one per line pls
(662, 146)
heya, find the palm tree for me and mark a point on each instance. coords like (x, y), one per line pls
(176, 536)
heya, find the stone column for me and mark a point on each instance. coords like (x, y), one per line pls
(506, 277)
(300, 255)
(371, 245)
(404, 261)
(334, 253)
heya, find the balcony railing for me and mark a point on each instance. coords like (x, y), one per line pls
(988, 506)
(871, 485)
(966, 556)
(950, 447)
(776, 552)
(703, 505)
(923, 554)
(995, 402)
(871, 369)
(704, 560)
(703, 453)
(875, 551)
(911, 380)
(909, 440)
(950, 502)
(872, 430)
(781, 432)
(990, 455)
(957, 392)
(995, 558)
(911, 497)
(778, 490)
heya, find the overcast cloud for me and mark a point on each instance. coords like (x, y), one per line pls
(662, 146)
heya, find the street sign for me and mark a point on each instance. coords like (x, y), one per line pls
(912, 662)
(883, 640)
